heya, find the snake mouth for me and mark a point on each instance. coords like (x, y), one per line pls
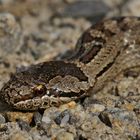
(38, 103)
(52, 98)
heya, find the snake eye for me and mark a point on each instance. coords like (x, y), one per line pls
(39, 90)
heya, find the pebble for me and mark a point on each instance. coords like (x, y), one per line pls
(37, 118)
(10, 33)
(62, 118)
(97, 108)
(87, 126)
(46, 119)
(123, 87)
(50, 114)
(104, 117)
(2, 119)
(84, 8)
(14, 116)
(20, 136)
(65, 120)
(64, 136)
(24, 125)
(132, 8)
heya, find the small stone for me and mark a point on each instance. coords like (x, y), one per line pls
(37, 118)
(71, 104)
(4, 2)
(86, 126)
(63, 117)
(64, 136)
(14, 116)
(128, 106)
(137, 109)
(2, 119)
(131, 73)
(3, 127)
(131, 8)
(12, 131)
(11, 37)
(104, 117)
(46, 119)
(97, 108)
(123, 87)
(65, 120)
(50, 114)
(84, 9)
(20, 136)
(24, 125)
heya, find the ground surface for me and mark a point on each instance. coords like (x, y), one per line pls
(33, 31)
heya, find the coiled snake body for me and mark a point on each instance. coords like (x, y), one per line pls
(103, 51)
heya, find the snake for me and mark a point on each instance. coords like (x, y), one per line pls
(105, 49)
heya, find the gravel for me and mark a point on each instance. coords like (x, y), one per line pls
(36, 31)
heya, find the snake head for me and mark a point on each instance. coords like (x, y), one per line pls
(44, 85)
(22, 95)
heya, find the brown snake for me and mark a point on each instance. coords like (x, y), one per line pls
(103, 51)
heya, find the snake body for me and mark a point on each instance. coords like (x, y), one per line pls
(103, 51)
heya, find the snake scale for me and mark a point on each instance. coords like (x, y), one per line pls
(104, 50)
